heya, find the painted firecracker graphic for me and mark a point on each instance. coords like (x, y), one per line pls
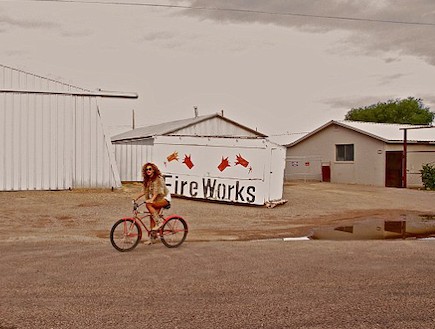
(172, 157)
(241, 161)
(224, 164)
(188, 161)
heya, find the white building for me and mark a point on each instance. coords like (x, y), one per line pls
(207, 157)
(361, 153)
(52, 136)
(134, 148)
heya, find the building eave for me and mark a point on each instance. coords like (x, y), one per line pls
(99, 93)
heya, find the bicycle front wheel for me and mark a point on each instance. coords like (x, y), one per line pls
(125, 235)
(174, 232)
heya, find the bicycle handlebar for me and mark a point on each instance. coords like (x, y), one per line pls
(136, 205)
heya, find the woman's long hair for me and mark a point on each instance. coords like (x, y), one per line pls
(146, 178)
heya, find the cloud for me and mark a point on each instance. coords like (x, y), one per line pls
(369, 37)
(354, 102)
(157, 36)
(77, 33)
(166, 39)
(385, 79)
(26, 23)
(391, 60)
(349, 103)
(428, 100)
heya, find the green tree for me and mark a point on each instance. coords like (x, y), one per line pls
(409, 111)
(428, 176)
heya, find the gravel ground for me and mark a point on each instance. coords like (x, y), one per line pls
(87, 215)
(60, 271)
(220, 284)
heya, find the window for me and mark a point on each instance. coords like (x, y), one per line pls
(344, 152)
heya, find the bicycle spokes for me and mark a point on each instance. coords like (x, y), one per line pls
(129, 229)
(174, 232)
(125, 235)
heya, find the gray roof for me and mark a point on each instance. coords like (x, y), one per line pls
(172, 127)
(391, 132)
(386, 132)
(287, 138)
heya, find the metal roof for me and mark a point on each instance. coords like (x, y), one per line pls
(286, 138)
(386, 132)
(99, 93)
(390, 132)
(172, 127)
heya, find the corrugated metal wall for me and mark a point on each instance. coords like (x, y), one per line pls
(215, 127)
(131, 156)
(51, 142)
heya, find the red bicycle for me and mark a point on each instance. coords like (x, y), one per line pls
(126, 233)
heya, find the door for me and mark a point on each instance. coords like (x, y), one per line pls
(277, 166)
(393, 169)
(326, 173)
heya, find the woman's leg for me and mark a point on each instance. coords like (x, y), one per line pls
(154, 209)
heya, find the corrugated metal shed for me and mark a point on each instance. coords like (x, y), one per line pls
(51, 136)
(135, 147)
(239, 170)
(205, 125)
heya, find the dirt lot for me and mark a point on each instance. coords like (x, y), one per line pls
(89, 214)
(58, 269)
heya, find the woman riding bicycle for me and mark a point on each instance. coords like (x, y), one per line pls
(156, 193)
(172, 230)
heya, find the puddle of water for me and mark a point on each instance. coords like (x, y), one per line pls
(301, 238)
(407, 226)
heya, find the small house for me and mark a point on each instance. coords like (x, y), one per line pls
(365, 153)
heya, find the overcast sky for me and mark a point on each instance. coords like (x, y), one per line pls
(278, 66)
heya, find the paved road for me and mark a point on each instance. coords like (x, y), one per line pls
(250, 284)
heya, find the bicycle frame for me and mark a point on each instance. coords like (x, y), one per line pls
(172, 232)
(139, 219)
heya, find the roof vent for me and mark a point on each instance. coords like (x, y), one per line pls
(195, 111)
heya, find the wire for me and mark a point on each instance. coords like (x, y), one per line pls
(117, 3)
(41, 77)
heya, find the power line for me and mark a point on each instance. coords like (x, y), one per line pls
(251, 11)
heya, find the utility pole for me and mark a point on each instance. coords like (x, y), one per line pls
(132, 115)
(405, 151)
(404, 157)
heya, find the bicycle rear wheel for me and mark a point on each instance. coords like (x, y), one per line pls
(125, 235)
(174, 232)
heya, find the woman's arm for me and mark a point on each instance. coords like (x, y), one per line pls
(152, 199)
(138, 197)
